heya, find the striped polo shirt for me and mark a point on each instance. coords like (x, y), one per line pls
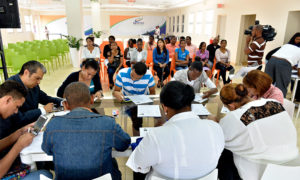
(257, 48)
(130, 87)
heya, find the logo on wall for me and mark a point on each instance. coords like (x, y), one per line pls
(138, 21)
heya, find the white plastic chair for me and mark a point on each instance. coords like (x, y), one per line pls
(289, 106)
(211, 176)
(104, 177)
(279, 172)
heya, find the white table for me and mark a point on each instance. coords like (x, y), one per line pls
(34, 153)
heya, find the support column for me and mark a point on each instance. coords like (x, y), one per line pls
(74, 13)
(96, 16)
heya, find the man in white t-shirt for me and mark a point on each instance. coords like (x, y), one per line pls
(195, 77)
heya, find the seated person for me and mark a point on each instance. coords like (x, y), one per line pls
(203, 54)
(181, 56)
(161, 60)
(134, 81)
(257, 132)
(195, 77)
(81, 141)
(259, 85)
(149, 46)
(172, 46)
(88, 75)
(223, 61)
(140, 55)
(190, 47)
(185, 147)
(107, 48)
(90, 51)
(115, 63)
(129, 52)
(30, 76)
(12, 96)
(212, 50)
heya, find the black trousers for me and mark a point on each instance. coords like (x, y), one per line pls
(223, 70)
(226, 167)
(162, 73)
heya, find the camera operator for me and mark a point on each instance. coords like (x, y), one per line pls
(255, 45)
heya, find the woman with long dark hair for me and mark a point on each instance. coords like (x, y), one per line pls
(161, 60)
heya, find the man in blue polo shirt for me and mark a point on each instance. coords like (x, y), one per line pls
(134, 81)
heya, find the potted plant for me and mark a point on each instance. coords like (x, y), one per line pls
(97, 35)
(74, 45)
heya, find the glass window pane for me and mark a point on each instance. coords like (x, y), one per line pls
(209, 16)
(27, 27)
(208, 29)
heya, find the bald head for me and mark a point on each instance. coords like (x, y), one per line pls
(77, 94)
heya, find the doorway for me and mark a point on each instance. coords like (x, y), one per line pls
(221, 26)
(293, 25)
(246, 21)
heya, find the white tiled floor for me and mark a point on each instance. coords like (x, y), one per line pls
(51, 82)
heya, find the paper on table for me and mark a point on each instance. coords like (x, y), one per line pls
(61, 113)
(225, 110)
(198, 98)
(145, 130)
(243, 72)
(200, 110)
(104, 177)
(35, 146)
(140, 99)
(148, 111)
(43, 177)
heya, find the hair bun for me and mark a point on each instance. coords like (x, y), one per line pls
(241, 90)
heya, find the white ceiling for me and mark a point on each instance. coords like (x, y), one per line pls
(110, 5)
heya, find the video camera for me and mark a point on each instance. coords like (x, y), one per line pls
(268, 32)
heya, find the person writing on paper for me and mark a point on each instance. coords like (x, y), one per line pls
(87, 75)
(259, 85)
(134, 81)
(81, 141)
(195, 77)
(90, 50)
(12, 96)
(257, 132)
(185, 147)
(30, 76)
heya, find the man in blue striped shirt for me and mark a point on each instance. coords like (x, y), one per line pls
(134, 81)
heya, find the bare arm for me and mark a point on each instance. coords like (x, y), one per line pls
(152, 90)
(117, 93)
(246, 49)
(7, 161)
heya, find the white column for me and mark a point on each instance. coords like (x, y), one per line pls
(96, 16)
(74, 13)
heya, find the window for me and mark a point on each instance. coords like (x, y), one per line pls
(199, 19)
(173, 24)
(177, 24)
(27, 20)
(191, 23)
(182, 25)
(170, 24)
(209, 18)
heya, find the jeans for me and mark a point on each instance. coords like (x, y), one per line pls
(280, 71)
(223, 70)
(111, 71)
(162, 73)
(180, 67)
(136, 121)
(36, 175)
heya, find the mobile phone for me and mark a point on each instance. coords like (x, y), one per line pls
(39, 124)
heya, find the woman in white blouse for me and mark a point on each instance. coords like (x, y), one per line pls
(185, 147)
(140, 55)
(257, 132)
(223, 61)
(90, 50)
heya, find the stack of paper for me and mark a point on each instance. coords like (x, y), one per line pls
(145, 130)
(148, 111)
(198, 98)
(140, 99)
(225, 110)
(200, 110)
